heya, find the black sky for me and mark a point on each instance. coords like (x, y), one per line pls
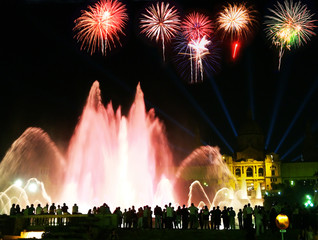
(45, 78)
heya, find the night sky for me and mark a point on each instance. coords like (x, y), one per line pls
(46, 78)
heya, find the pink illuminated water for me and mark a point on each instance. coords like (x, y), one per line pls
(116, 159)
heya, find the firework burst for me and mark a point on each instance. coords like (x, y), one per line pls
(291, 25)
(237, 22)
(196, 56)
(196, 25)
(160, 22)
(99, 26)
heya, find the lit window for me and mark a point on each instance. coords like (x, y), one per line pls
(273, 172)
(260, 172)
(238, 172)
(249, 172)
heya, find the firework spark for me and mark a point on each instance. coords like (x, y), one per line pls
(198, 49)
(99, 27)
(196, 26)
(237, 22)
(201, 54)
(161, 22)
(291, 25)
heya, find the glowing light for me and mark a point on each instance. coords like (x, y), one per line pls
(292, 183)
(196, 26)
(200, 53)
(18, 183)
(32, 187)
(308, 201)
(236, 20)
(291, 25)
(126, 151)
(99, 27)
(32, 234)
(198, 50)
(282, 221)
(161, 22)
(235, 47)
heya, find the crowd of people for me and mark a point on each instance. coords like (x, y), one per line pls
(192, 217)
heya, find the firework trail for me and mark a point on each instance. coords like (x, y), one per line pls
(201, 54)
(194, 43)
(199, 49)
(99, 26)
(291, 25)
(160, 22)
(237, 22)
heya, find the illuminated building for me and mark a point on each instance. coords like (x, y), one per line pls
(250, 163)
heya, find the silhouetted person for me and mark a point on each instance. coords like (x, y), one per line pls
(249, 215)
(272, 219)
(59, 212)
(206, 215)
(200, 217)
(46, 209)
(129, 218)
(232, 215)
(52, 209)
(225, 217)
(134, 217)
(119, 214)
(185, 217)
(169, 216)
(158, 217)
(178, 217)
(75, 209)
(240, 219)
(212, 214)
(13, 210)
(64, 209)
(38, 209)
(31, 210)
(217, 218)
(193, 216)
(17, 209)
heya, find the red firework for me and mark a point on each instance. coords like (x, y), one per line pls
(99, 27)
(196, 26)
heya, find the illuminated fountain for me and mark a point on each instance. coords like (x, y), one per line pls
(210, 181)
(113, 159)
(33, 154)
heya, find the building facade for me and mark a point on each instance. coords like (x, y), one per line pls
(250, 165)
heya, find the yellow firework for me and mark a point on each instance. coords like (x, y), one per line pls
(236, 20)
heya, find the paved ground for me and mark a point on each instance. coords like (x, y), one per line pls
(201, 234)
